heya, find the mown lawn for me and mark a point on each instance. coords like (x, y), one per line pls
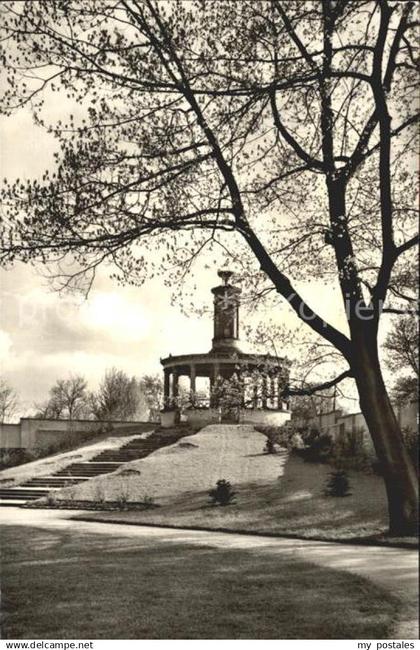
(293, 504)
(65, 585)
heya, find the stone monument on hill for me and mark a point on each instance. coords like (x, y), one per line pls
(239, 387)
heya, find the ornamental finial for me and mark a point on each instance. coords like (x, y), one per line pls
(225, 275)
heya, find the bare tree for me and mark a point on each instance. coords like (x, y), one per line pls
(306, 407)
(402, 346)
(281, 132)
(118, 397)
(405, 389)
(402, 358)
(8, 401)
(67, 399)
(151, 390)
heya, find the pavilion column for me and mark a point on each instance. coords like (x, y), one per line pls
(175, 377)
(213, 379)
(166, 386)
(273, 391)
(241, 378)
(255, 394)
(192, 384)
(264, 391)
(279, 392)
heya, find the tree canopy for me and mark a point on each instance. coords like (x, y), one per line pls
(203, 119)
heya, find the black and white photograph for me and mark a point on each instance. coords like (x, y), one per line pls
(209, 351)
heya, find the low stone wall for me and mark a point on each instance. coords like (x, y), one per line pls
(202, 417)
(10, 436)
(269, 418)
(335, 423)
(39, 433)
(36, 433)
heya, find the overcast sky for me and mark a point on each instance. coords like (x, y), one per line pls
(44, 335)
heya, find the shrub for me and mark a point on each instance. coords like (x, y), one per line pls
(350, 444)
(318, 449)
(71, 489)
(99, 493)
(270, 446)
(123, 495)
(223, 493)
(14, 457)
(349, 452)
(51, 499)
(338, 484)
(296, 441)
(278, 435)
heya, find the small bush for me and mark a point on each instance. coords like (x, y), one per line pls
(14, 457)
(278, 435)
(123, 495)
(338, 484)
(71, 489)
(318, 449)
(51, 499)
(270, 446)
(348, 451)
(222, 494)
(296, 441)
(99, 496)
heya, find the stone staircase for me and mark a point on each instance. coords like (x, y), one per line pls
(105, 462)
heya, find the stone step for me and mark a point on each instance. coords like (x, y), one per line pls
(22, 488)
(122, 458)
(90, 468)
(93, 467)
(126, 452)
(4, 502)
(105, 462)
(133, 444)
(53, 482)
(27, 495)
(92, 462)
(84, 473)
(131, 453)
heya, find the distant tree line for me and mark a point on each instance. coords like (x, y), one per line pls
(118, 397)
(8, 401)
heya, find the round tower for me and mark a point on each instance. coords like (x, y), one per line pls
(226, 315)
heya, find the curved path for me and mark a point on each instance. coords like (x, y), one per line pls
(391, 568)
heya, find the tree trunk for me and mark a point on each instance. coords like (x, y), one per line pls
(398, 471)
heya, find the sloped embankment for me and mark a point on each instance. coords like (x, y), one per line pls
(192, 464)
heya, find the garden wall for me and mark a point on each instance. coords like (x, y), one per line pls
(10, 436)
(337, 424)
(202, 417)
(269, 418)
(36, 433)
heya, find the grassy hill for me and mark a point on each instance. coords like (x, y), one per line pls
(276, 494)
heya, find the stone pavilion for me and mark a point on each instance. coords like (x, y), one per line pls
(239, 387)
